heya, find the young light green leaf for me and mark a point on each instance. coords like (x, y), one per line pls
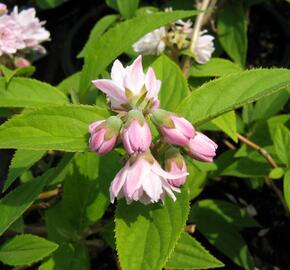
(146, 234)
(215, 67)
(174, 86)
(21, 162)
(86, 188)
(213, 226)
(286, 188)
(24, 92)
(57, 128)
(190, 254)
(281, 141)
(276, 173)
(127, 8)
(230, 92)
(116, 41)
(228, 124)
(232, 31)
(25, 249)
(100, 27)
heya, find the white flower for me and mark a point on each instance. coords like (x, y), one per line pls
(151, 43)
(204, 47)
(32, 31)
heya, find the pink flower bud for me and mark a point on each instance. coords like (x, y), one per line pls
(175, 130)
(21, 62)
(3, 9)
(136, 134)
(175, 164)
(202, 148)
(104, 135)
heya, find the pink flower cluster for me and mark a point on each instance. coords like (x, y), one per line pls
(134, 95)
(20, 31)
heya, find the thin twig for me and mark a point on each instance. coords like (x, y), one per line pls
(273, 164)
(229, 144)
(48, 194)
(195, 34)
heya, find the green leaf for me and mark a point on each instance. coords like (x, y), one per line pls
(269, 106)
(116, 41)
(276, 173)
(147, 234)
(25, 249)
(228, 124)
(286, 188)
(100, 27)
(24, 92)
(231, 213)
(190, 254)
(230, 92)
(21, 162)
(215, 67)
(86, 188)
(70, 84)
(71, 254)
(174, 86)
(223, 235)
(56, 128)
(15, 203)
(48, 4)
(232, 31)
(281, 141)
(127, 8)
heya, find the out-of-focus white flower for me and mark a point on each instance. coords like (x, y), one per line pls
(10, 36)
(184, 26)
(204, 47)
(32, 31)
(151, 43)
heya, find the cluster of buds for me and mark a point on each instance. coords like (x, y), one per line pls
(134, 96)
(20, 34)
(176, 35)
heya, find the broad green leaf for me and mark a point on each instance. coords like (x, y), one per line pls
(112, 4)
(70, 84)
(21, 162)
(71, 254)
(190, 254)
(231, 213)
(232, 31)
(286, 188)
(228, 124)
(24, 92)
(127, 8)
(146, 234)
(117, 40)
(100, 27)
(15, 203)
(57, 128)
(173, 83)
(275, 121)
(281, 141)
(25, 249)
(215, 67)
(86, 188)
(223, 235)
(269, 106)
(230, 92)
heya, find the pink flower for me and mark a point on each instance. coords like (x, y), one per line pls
(136, 134)
(129, 85)
(10, 36)
(143, 180)
(32, 31)
(104, 135)
(175, 130)
(3, 9)
(202, 148)
(21, 62)
(175, 164)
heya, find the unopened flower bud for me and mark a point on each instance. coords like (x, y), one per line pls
(21, 62)
(202, 148)
(136, 134)
(175, 164)
(175, 130)
(104, 135)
